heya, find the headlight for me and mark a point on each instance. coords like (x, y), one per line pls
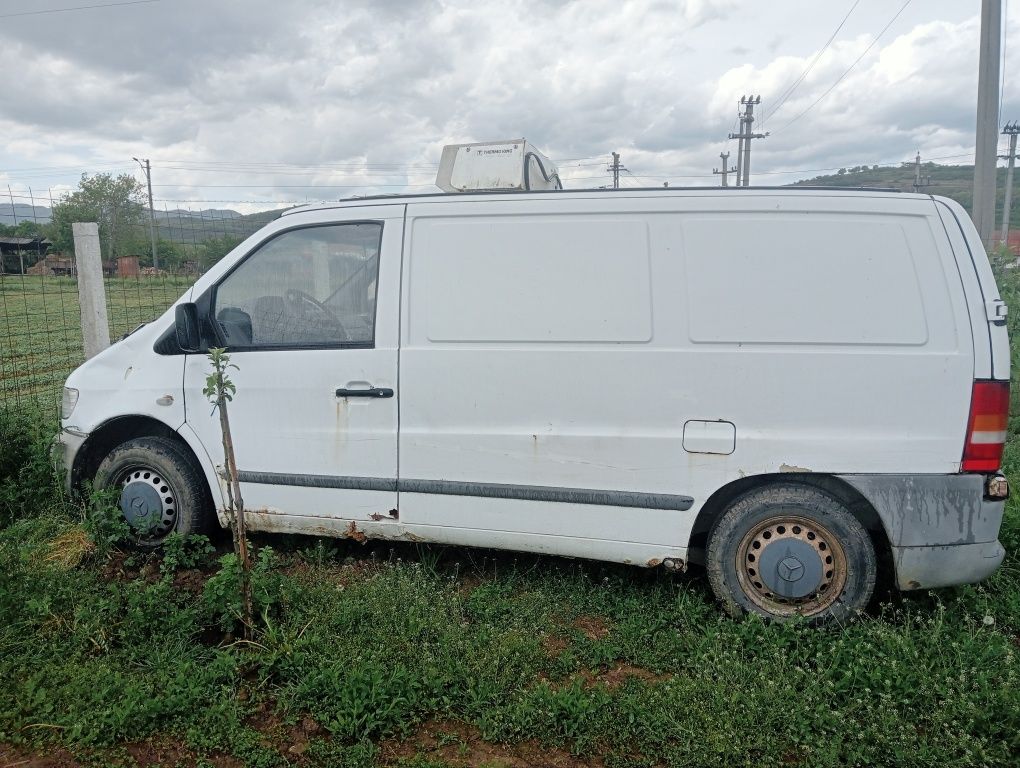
(67, 402)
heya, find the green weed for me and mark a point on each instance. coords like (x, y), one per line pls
(368, 644)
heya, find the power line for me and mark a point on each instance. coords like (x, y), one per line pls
(95, 164)
(288, 186)
(75, 8)
(59, 175)
(164, 161)
(848, 69)
(789, 91)
(244, 167)
(246, 202)
(219, 166)
(322, 172)
(780, 172)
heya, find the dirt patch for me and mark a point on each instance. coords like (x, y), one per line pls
(126, 566)
(554, 644)
(459, 744)
(147, 753)
(291, 740)
(192, 580)
(612, 678)
(468, 583)
(621, 672)
(343, 574)
(18, 757)
(116, 569)
(593, 627)
(165, 753)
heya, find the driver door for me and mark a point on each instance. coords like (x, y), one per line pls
(310, 320)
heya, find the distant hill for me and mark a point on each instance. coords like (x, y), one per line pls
(177, 225)
(193, 227)
(19, 212)
(952, 181)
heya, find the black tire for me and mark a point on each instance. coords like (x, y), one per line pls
(163, 492)
(791, 550)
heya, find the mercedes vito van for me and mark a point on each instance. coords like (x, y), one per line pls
(788, 386)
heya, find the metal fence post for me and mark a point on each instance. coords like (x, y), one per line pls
(95, 329)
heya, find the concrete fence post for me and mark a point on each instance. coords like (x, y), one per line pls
(95, 329)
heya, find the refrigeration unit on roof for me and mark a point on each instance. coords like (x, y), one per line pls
(493, 165)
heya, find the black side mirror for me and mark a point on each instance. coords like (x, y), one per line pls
(188, 337)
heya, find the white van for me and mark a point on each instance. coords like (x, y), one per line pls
(793, 387)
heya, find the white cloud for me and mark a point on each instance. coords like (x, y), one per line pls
(329, 87)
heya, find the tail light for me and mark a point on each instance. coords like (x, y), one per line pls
(986, 429)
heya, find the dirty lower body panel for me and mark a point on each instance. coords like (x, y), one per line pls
(941, 528)
(64, 450)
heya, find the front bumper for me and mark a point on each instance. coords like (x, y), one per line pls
(65, 449)
(943, 529)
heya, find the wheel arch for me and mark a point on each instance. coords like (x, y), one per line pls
(116, 431)
(842, 491)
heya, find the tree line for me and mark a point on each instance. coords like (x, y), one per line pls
(117, 204)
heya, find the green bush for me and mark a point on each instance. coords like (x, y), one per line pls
(29, 483)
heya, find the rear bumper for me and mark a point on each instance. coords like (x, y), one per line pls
(925, 567)
(941, 528)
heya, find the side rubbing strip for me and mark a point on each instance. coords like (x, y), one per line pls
(482, 490)
(320, 481)
(548, 493)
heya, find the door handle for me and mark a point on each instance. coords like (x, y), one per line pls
(373, 392)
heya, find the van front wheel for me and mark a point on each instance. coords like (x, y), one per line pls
(158, 489)
(788, 551)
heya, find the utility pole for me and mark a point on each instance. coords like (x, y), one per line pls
(1011, 130)
(986, 131)
(14, 214)
(152, 216)
(615, 168)
(920, 183)
(740, 146)
(745, 136)
(725, 157)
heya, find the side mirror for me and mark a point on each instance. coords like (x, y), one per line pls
(186, 320)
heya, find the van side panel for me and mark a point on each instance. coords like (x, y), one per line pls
(830, 335)
(529, 359)
(787, 333)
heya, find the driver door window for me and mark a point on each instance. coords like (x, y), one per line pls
(313, 287)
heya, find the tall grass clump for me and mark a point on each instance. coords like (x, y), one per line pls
(29, 483)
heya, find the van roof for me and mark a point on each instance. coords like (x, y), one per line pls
(399, 198)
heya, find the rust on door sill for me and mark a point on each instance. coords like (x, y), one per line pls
(352, 532)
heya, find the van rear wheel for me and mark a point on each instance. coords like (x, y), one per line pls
(159, 490)
(789, 550)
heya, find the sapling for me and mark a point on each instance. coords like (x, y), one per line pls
(221, 390)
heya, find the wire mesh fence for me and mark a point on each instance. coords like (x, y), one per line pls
(41, 337)
(40, 319)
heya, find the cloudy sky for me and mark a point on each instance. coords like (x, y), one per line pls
(249, 101)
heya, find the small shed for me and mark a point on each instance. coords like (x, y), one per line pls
(16, 252)
(127, 266)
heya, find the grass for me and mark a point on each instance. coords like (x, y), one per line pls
(425, 657)
(40, 325)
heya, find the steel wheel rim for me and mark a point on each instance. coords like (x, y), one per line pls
(148, 501)
(764, 572)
